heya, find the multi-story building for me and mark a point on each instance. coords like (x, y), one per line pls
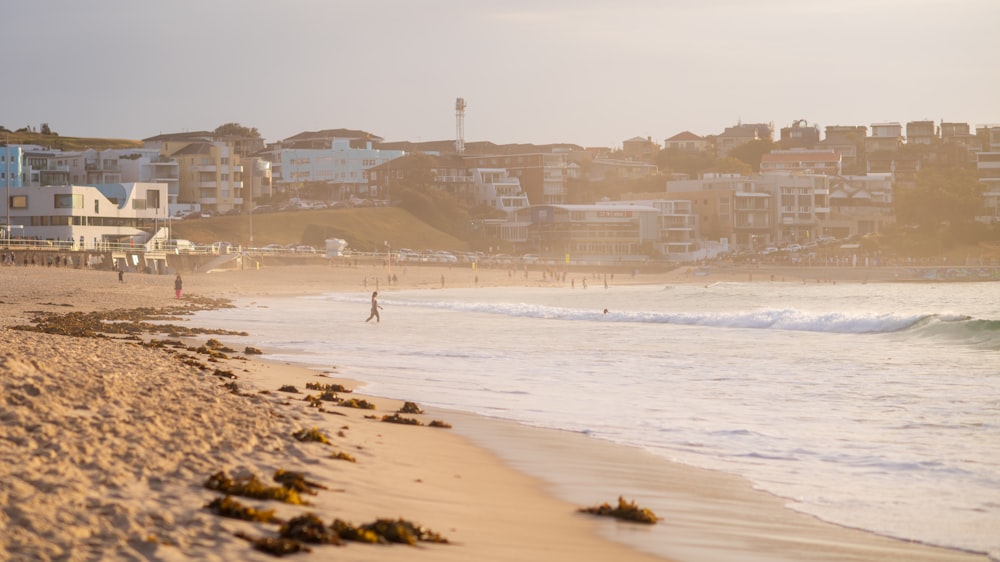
(885, 137)
(11, 166)
(988, 166)
(859, 205)
(603, 169)
(89, 217)
(801, 161)
(607, 233)
(210, 171)
(678, 239)
(799, 135)
(497, 189)
(342, 166)
(542, 175)
(849, 142)
(924, 133)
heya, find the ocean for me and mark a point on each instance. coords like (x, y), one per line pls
(874, 406)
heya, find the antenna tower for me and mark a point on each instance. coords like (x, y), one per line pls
(460, 125)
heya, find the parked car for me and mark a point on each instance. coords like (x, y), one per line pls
(223, 248)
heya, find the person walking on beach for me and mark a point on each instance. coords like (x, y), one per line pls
(178, 286)
(375, 308)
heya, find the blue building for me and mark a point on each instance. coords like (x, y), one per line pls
(343, 166)
(11, 166)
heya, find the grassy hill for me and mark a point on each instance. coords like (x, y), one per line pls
(67, 143)
(365, 229)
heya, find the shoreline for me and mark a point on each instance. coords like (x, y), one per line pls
(479, 483)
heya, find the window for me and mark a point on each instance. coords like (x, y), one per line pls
(18, 201)
(68, 201)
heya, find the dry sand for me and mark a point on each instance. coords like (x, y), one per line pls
(106, 445)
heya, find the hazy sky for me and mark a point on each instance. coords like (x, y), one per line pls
(588, 72)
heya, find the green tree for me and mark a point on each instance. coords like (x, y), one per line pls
(752, 152)
(237, 130)
(952, 196)
(692, 163)
(730, 165)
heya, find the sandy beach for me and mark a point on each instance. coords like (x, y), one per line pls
(108, 444)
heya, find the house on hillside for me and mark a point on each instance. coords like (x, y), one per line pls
(687, 142)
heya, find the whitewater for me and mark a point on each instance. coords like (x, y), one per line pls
(874, 406)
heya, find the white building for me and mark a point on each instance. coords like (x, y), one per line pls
(496, 188)
(89, 217)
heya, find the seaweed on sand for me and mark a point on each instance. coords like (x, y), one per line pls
(309, 528)
(252, 487)
(387, 531)
(314, 435)
(355, 403)
(297, 481)
(396, 418)
(332, 387)
(410, 408)
(627, 511)
(229, 507)
(278, 546)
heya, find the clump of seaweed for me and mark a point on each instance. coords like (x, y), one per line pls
(396, 418)
(355, 403)
(439, 423)
(310, 529)
(288, 388)
(229, 507)
(313, 435)
(387, 531)
(627, 511)
(410, 408)
(252, 351)
(343, 457)
(252, 487)
(234, 388)
(297, 481)
(278, 546)
(224, 374)
(332, 387)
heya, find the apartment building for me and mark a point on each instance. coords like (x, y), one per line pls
(11, 166)
(799, 135)
(678, 239)
(885, 137)
(988, 167)
(341, 165)
(607, 233)
(209, 171)
(543, 175)
(801, 161)
(924, 133)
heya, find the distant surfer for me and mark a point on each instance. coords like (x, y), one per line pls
(375, 308)
(605, 311)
